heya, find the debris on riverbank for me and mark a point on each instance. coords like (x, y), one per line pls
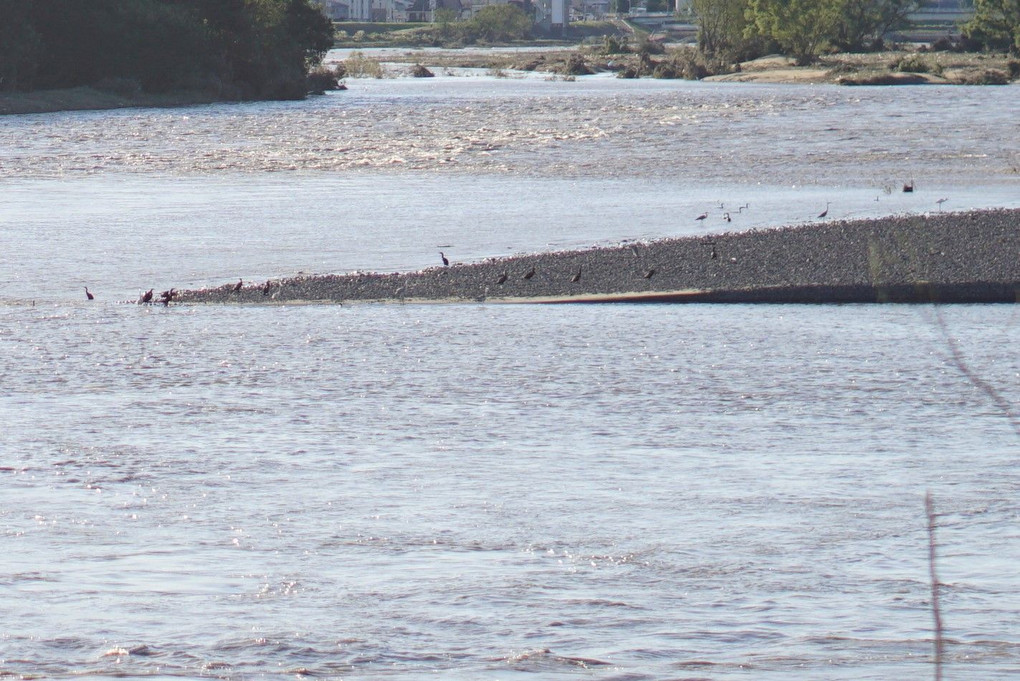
(944, 257)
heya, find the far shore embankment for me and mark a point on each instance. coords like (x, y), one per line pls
(569, 61)
(971, 257)
(93, 99)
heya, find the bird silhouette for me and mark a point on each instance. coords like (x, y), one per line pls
(576, 277)
(727, 218)
(265, 288)
(530, 273)
(649, 274)
(908, 187)
(238, 285)
(941, 201)
(446, 261)
(502, 278)
(824, 212)
(88, 294)
(146, 297)
(702, 216)
(166, 296)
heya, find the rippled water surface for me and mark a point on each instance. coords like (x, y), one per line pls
(488, 492)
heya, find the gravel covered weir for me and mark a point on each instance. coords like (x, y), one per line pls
(944, 257)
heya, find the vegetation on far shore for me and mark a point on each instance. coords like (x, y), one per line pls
(838, 41)
(643, 58)
(68, 54)
(226, 49)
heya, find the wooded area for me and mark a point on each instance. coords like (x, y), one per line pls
(236, 49)
(745, 29)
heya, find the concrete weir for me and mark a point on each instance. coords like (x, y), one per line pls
(971, 257)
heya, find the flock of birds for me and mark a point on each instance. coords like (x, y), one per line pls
(908, 188)
(167, 296)
(574, 278)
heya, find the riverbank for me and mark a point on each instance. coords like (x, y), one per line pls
(944, 257)
(88, 99)
(882, 68)
(902, 67)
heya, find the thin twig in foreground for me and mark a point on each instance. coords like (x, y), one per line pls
(929, 509)
(956, 357)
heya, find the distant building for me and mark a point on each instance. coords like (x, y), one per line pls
(424, 11)
(589, 10)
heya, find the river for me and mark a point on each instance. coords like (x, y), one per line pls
(487, 492)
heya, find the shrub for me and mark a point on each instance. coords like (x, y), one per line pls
(357, 65)
(690, 64)
(649, 47)
(323, 79)
(988, 77)
(614, 45)
(576, 66)
(914, 63)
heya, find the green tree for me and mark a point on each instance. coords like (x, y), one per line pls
(862, 23)
(20, 46)
(444, 16)
(799, 27)
(721, 27)
(500, 23)
(996, 24)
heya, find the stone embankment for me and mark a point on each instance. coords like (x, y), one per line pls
(943, 257)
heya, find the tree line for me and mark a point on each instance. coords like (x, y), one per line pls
(745, 29)
(235, 49)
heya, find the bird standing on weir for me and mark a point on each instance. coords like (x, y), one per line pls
(146, 297)
(238, 285)
(824, 212)
(265, 288)
(576, 277)
(88, 294)
(502, 278)
(530, 273)
(446, 261)
(713, 255)
(649, 274)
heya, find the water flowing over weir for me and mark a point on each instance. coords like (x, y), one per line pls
(958, 258)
